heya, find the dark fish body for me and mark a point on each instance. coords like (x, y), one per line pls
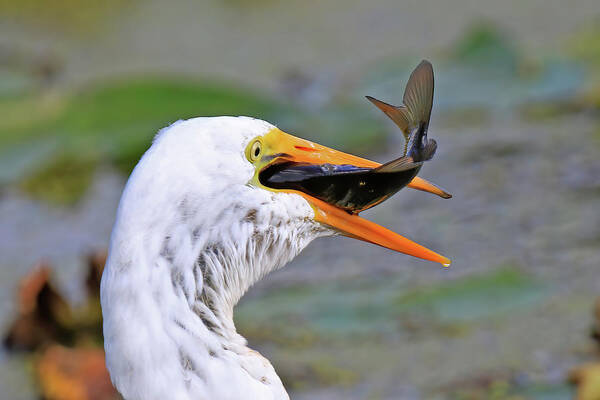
(344, 186)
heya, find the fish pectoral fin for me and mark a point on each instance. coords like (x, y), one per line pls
(399, 164)
(416, 158)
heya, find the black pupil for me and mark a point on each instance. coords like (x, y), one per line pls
(256, 151)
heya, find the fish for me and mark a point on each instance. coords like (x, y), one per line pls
(356, 189)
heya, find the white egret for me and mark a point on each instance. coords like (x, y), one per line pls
(212, 207)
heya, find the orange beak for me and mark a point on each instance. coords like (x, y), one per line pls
(280, 148)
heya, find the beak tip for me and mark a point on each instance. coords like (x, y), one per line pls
(446, 263)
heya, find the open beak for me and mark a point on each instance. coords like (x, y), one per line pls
(339, 186)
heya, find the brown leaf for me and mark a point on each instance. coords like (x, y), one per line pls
(42, 313)
(587, 380)
(74, 374)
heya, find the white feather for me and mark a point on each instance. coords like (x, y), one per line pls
(191, 236)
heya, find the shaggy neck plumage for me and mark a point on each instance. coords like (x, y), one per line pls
(176, 286)
(224, 270)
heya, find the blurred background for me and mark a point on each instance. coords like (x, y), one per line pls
(84, 86)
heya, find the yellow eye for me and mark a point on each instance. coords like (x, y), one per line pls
(254, 150)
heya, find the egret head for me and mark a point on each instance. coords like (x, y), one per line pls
(209, 171)
(240, 196)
